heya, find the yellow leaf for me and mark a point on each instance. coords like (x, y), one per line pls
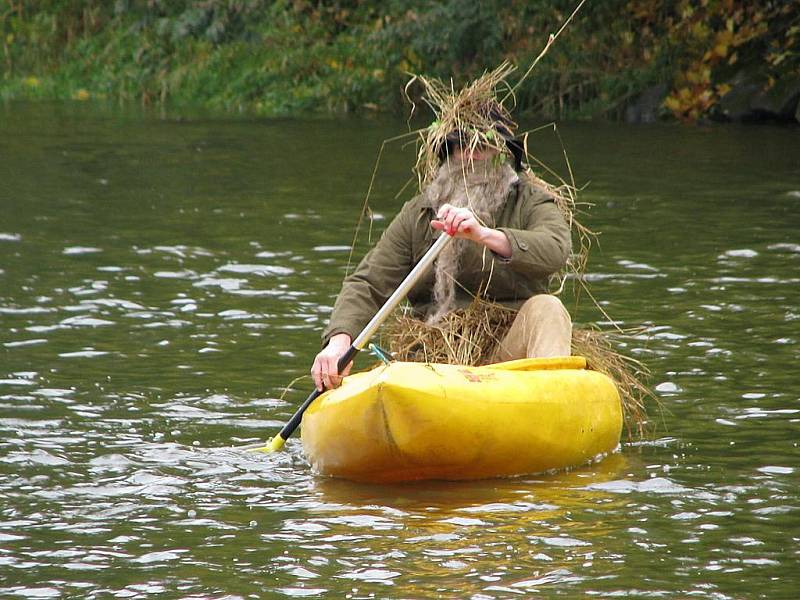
(724, 37)
(700, 30)
(721, 50)
(723, 89)
(776, 59)
(10, 38)
(672, 103)
(81, 95)
(32, 82)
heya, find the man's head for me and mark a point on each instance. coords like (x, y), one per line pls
(492, 135)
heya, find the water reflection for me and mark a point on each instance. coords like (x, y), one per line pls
(491, 535)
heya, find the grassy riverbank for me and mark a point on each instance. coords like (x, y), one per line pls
(634, 59)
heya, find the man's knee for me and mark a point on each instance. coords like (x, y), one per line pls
(544, 305)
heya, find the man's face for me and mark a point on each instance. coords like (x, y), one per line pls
(479, 153)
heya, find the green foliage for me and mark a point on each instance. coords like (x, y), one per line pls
(448, 39)
(289, 56)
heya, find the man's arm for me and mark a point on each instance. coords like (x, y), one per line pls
(363, 292)
(542, 246)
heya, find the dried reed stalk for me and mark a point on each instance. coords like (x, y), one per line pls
(469, 336)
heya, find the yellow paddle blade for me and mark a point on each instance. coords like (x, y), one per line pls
(274, 445)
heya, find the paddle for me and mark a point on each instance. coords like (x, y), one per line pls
(277, 442)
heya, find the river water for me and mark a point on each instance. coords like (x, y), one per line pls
(163, 278)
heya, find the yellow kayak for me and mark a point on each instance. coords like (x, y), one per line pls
(411, 421)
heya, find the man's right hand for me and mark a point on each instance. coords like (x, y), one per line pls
(325, 369)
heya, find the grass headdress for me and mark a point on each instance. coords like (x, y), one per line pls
(473, 117)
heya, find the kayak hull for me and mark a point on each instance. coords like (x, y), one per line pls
(412, 421)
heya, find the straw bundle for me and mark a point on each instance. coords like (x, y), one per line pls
(627, 373)
(469, 336)
(466, 336)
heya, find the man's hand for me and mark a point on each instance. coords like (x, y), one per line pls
(325, 367)
(458, 222)
(461, 223)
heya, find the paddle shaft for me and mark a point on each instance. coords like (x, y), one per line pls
(363, 338)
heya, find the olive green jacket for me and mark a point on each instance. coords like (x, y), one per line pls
(540, 245)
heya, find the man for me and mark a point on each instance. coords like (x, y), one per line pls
(510, 238)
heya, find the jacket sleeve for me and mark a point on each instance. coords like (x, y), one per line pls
(544, 245)
(378, 274)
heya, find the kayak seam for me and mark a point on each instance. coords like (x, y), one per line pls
(395, 449)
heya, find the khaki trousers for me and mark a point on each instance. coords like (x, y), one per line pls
(541, 329)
